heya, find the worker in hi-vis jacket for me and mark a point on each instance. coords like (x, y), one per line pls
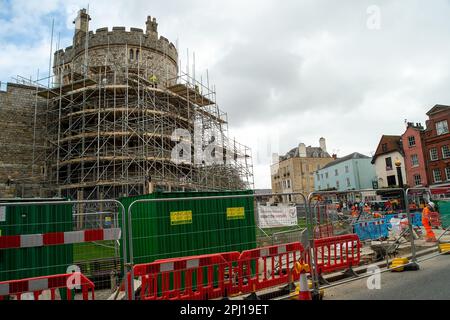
(426, 215)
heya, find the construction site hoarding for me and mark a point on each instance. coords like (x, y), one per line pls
(168, 229)
(30, 260)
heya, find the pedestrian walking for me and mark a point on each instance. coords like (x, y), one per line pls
(426, 215)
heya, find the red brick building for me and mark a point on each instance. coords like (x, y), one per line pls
(415, 160)
(436, 149)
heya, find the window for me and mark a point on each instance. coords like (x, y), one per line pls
(337, 184)
(131, 54)
(318, 177)
(388, 163)
(392, 181)
(414, 160)
(434, 154)
(437, 175)
(445, 152)
(326, 175)
(336, 172)
(321, 176)
(137, 54)
(347, 169)
(417, 180)
(442, 127)
(447, 173)
(412, 141)
(348, 182)
(384, 147)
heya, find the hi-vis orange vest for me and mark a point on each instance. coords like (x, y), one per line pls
(426, 212)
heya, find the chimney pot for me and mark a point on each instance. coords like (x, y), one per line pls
(302, 150)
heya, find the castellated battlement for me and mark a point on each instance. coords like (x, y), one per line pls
(120, 50)
(118, 36)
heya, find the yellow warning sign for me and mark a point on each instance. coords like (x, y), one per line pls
(235, 213)
(180, 217)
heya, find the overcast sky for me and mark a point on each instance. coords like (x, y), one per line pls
(286, 71)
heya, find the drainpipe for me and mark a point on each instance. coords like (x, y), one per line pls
(358, 187)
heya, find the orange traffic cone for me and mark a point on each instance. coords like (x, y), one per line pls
(304, 293)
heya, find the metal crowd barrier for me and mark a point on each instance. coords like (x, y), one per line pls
(81, 240)
(159, 200)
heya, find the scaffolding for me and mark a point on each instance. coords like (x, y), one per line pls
(109, 134)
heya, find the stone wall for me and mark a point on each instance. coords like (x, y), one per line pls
(16, 142)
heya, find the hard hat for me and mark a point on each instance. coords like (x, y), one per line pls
(431, 204)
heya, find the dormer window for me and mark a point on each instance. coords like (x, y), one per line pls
(442, 127)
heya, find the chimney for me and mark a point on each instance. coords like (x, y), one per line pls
(81, 26)
(152, 27)
(302, 150)
(82, 22)
(323, 144)
(334, 156)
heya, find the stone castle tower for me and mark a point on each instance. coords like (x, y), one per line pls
(119, 50)
(104, 128)
(117, 102)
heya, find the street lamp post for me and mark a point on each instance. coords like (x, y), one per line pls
(398, 164)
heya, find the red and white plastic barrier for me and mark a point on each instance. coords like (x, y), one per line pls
(336, 253)
(189, 278)
(231, 273)
(39, 284)
(218, 275)
(323, 231)
(272, 266)
(58, 238)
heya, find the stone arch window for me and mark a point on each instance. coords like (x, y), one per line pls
(137, 54)
(131, 54)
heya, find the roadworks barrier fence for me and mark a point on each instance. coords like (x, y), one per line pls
(90, 232)
(217, 275)
(44, 241)
(52, 287)
(221, 275)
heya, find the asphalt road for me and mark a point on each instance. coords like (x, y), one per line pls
(431, 282)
